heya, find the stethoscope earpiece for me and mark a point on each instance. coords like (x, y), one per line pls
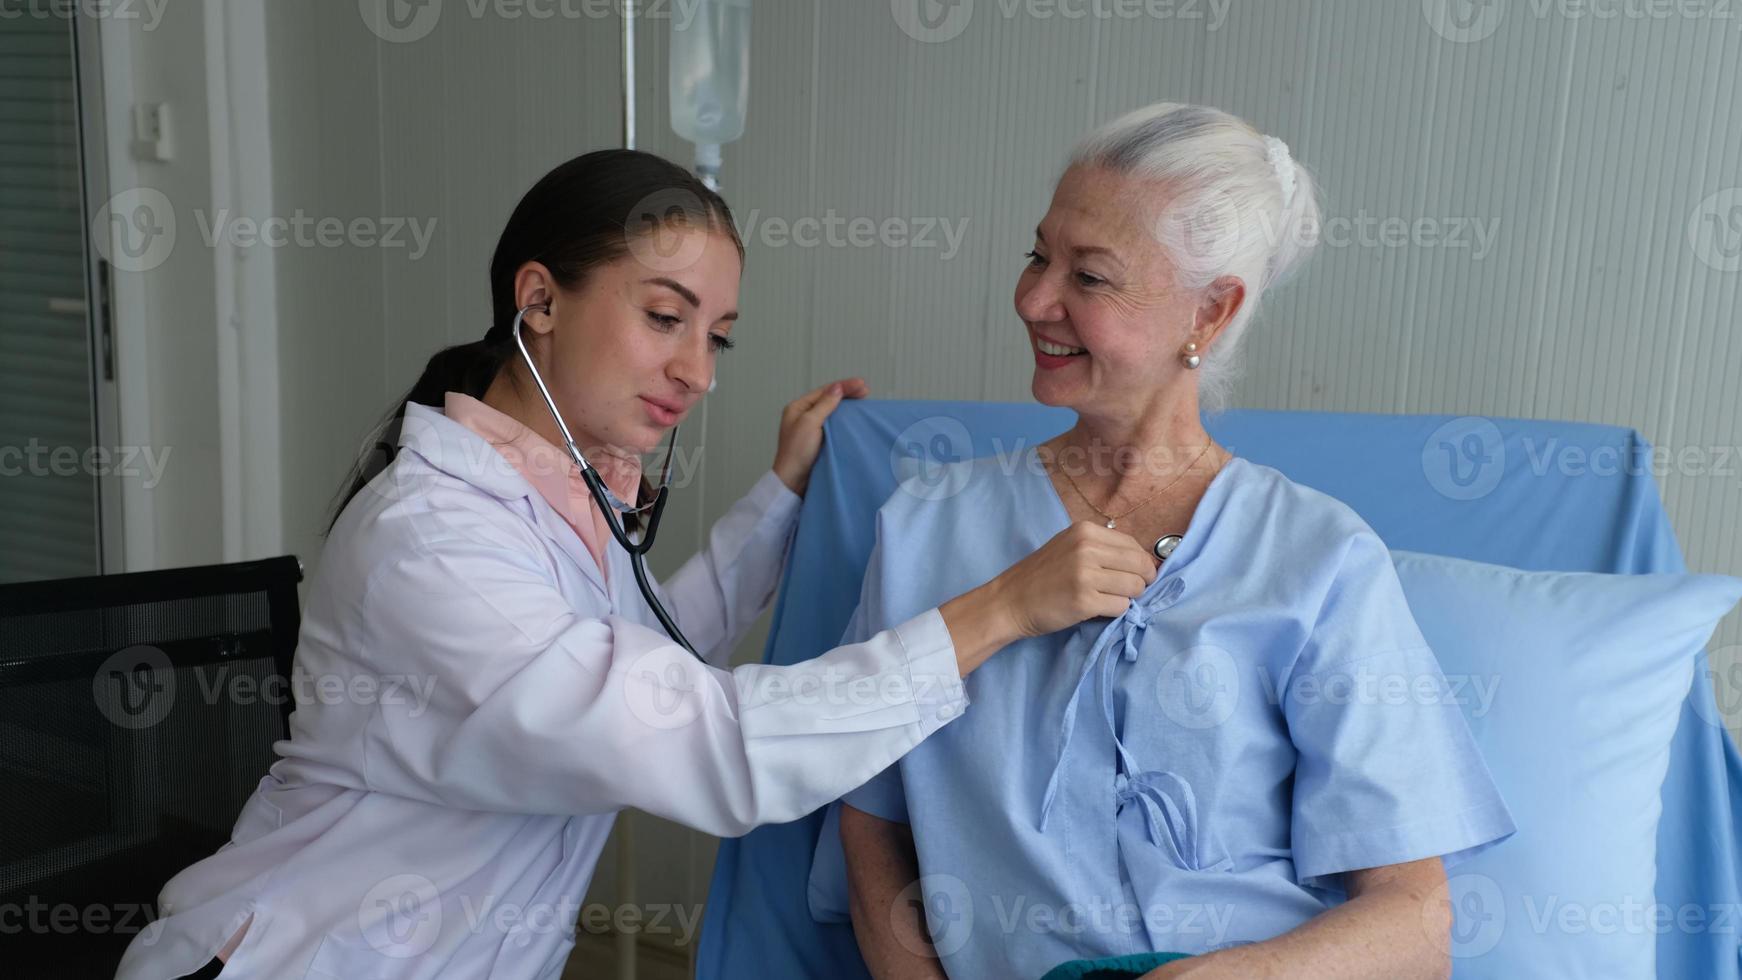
(608, 503)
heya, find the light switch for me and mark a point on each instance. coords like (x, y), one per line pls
(151, 132)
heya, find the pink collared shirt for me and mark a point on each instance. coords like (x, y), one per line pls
(549, 469)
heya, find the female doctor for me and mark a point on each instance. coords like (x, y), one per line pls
(508, 689)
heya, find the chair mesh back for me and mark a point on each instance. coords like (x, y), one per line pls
(137, 713)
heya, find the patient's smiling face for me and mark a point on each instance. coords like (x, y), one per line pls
(1099, 280)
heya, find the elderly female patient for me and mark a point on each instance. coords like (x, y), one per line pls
(1254, 764)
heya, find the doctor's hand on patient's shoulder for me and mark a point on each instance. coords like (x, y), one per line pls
(801, 430)
(1085, 571)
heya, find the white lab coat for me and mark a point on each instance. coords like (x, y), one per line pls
(475, 705)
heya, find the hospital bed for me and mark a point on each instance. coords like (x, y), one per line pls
(1528, 516)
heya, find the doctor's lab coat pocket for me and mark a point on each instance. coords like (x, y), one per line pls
(542, 919)
(397, 922)
(353, 959)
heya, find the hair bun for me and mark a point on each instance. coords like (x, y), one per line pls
(1280, 160)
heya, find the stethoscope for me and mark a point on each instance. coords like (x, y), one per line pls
(608, 502)
(1164, 546)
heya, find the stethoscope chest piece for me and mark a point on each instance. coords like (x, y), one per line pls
(1165, 544)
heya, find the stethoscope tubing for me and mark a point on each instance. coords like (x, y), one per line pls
(608, 502)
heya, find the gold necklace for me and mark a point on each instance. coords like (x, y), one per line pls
(1113, 519)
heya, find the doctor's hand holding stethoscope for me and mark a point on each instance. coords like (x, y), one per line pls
(487, 566)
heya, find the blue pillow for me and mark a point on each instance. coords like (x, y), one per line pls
(1572, 683)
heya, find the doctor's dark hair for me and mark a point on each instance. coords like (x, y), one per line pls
(586, 213)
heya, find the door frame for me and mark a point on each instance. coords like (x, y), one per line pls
(244, 334)
(246, 285)
(116, 513)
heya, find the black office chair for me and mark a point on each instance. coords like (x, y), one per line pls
(137, 714)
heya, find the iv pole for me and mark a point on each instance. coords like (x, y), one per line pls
(625, 941)
(629, 75)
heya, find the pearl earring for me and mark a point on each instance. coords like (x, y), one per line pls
(1189, 356)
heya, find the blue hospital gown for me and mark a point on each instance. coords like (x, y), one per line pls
(1194, 774)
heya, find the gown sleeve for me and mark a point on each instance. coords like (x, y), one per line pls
(1387, 770)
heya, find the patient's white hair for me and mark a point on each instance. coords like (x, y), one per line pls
(1233, 203)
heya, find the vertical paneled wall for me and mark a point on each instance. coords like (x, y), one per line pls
(1568, 181)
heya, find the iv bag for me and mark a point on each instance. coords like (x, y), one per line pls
(710, 76)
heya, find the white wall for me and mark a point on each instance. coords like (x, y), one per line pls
(164, 316)
(1585, 146)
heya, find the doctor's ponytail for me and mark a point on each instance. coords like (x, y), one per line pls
(581, 215)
